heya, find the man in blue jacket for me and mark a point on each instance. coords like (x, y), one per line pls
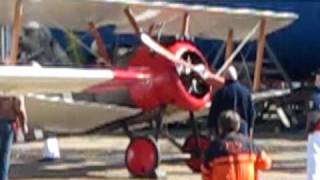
(233, 96)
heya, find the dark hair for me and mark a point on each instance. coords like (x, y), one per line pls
(229, 121)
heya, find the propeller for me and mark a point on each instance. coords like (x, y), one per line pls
(145, 38)
(201, 70)
(183, 66)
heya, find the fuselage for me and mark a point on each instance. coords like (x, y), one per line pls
(158, 80)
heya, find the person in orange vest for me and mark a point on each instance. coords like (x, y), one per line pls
(233, 156)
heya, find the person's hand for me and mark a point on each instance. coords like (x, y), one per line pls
(251, 133)
(25, 128)
(15, 127)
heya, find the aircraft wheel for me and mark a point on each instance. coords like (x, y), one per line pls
(196, 151)
(142, 157)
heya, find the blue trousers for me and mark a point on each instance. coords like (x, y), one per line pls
(6, 138)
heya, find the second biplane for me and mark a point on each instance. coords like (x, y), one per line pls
(155, 75)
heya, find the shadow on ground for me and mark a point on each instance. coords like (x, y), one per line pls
(59, 169)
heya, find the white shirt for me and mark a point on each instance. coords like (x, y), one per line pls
(313, 156)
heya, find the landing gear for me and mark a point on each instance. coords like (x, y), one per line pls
(196, 147)
(142, 157)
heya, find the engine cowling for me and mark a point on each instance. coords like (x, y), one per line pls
(169, 83)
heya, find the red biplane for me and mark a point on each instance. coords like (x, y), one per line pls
(156, 74)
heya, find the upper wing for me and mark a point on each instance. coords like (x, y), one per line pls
(205, 21)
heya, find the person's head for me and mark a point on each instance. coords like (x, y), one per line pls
(231, 73)
(229, 121)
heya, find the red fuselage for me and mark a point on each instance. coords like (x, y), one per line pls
(157, 81)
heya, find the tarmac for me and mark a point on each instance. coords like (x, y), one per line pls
(101, 157)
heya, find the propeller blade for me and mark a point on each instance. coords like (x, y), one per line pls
(194, 85)
(152, 44)
(188, 70)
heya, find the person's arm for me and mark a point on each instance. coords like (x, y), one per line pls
(209, 156)
(252, 116)
(20, 114)
(263, 161)
(214, 112)
(215, 80)
(205, 173)
(212, 152)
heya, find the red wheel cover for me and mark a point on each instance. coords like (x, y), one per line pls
(191, 146)
(142, 157)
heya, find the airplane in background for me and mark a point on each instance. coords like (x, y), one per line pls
(156, 74)
(297, 55)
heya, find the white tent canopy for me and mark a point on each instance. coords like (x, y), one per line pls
(205, 21)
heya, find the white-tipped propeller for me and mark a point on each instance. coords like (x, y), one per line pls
(155, 46)
(202, 71)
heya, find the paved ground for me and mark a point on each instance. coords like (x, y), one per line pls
(101, 157)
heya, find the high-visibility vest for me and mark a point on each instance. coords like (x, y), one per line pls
(244, 166)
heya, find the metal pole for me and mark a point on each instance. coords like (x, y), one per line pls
(7, 37)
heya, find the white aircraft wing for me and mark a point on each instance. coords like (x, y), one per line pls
(205, 21)
(26, 79)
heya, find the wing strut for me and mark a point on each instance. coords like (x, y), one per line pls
(185, 25)
(238, 49)
(229, 44)
(18, 12)
(102, 51)
(151, 29)
(260, 53)
(132, 21)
